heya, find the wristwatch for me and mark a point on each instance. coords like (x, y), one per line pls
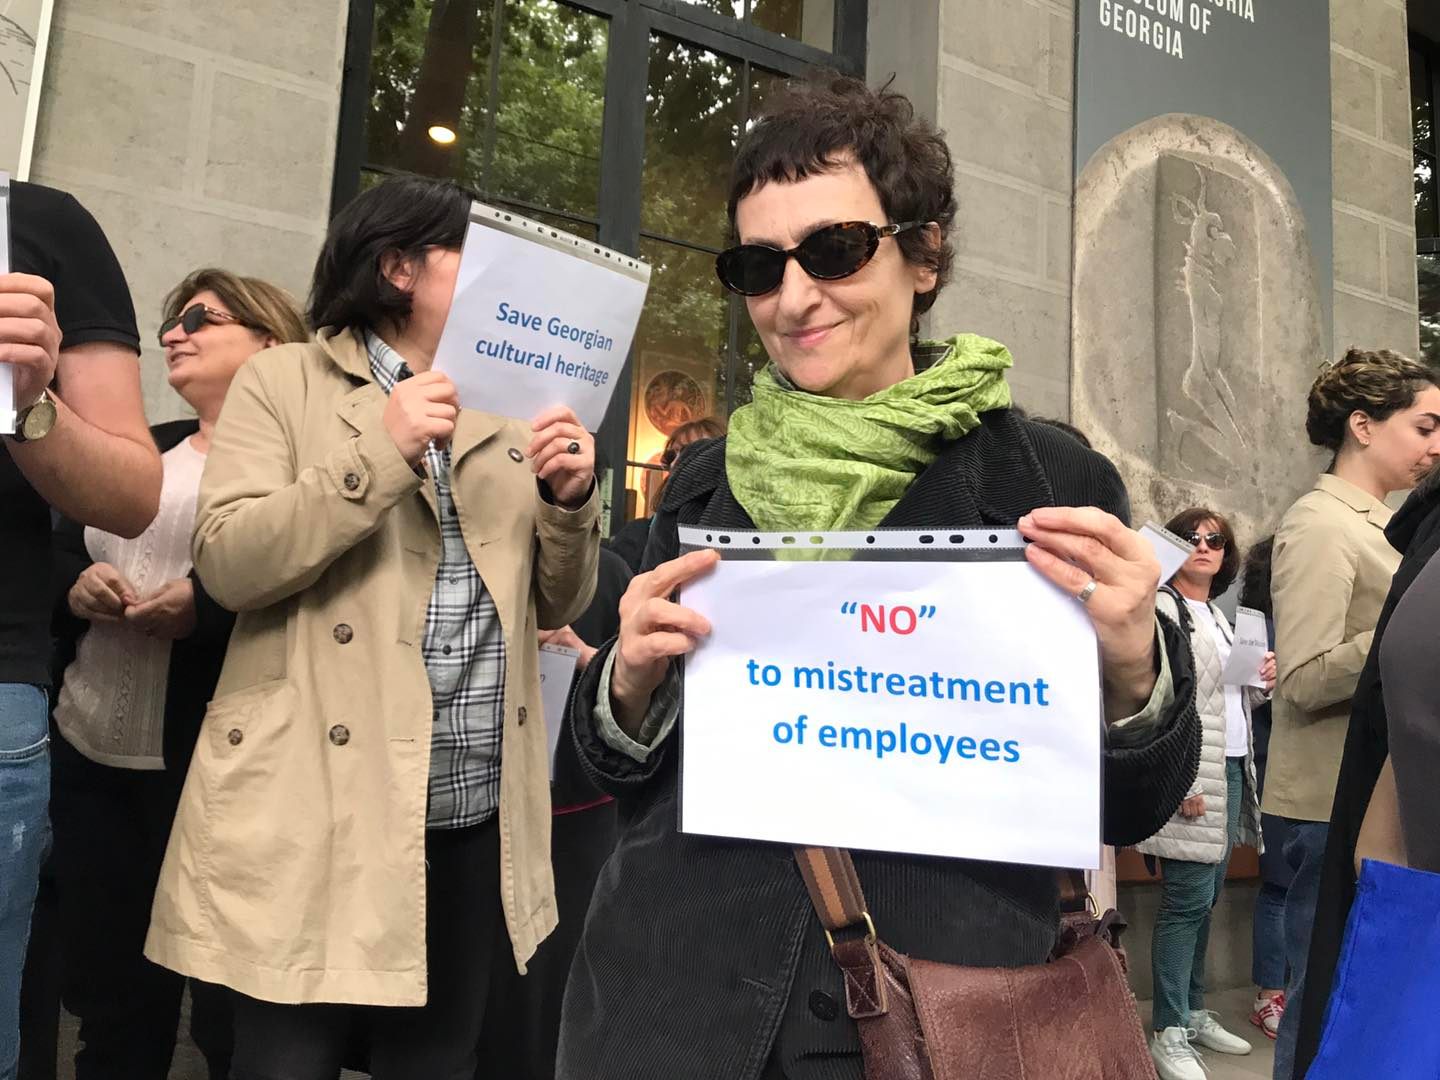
(35, 421)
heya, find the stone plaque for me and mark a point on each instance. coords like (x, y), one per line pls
(1196, 321)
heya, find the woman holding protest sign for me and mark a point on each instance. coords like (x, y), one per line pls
(1221, 808)
(703, 957)
(352, 845)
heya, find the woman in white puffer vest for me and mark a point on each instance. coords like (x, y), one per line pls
(1221, 810)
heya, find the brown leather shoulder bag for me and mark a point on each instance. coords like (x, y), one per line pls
(1072, 1018)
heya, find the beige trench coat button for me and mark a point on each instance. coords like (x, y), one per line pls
(236, 736)
(339, 735)
(521, 714)
(515, 455)
(352, 481)
(343, 634)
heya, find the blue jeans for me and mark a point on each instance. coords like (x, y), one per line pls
(24, 832)
(1305, 851)
(1267, 946)
(1181, 939)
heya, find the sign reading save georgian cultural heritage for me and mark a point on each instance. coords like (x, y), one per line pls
(1202, 266)
(539, 318)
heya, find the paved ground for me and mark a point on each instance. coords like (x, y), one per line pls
(1233, 1007)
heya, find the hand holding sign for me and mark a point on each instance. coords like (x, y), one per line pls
(1073, 547)
(562, 455)
(934, 705)
(1251, 662)
(421, 410)
(29, 334)
(653, 629)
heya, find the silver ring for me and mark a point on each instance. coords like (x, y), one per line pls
(1088, 591)
(573, 448)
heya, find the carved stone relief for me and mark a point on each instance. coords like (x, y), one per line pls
(1196, 321)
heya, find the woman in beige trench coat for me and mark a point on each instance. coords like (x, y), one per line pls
(350, 832)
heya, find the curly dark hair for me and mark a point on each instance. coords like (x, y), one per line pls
(814, 124)
(1377, 382)
(1188, 521)
(1255, 581)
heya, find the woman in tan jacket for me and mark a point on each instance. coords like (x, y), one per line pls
(1379, 413)
(350, 832)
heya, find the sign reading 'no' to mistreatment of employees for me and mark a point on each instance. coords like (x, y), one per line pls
(539, 318)
(921, 693)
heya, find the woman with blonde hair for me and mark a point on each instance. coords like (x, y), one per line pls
(143, 643)
(1378, 413)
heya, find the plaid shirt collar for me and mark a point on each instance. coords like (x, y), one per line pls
(386, 364)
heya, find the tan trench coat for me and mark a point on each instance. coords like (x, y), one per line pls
(296, 868)
(1331, 573)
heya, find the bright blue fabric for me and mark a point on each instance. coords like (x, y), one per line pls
(1381, 1017)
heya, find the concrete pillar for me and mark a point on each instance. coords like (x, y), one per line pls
(1005, 101)
(1375, 291)
(197, 132)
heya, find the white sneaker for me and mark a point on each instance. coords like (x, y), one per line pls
(1174, 1057)
(1209, 1034)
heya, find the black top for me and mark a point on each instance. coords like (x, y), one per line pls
(54, 237)
(1411, 681)
(701, 956)
(195, 661)
(1415, 531)
(629, 542)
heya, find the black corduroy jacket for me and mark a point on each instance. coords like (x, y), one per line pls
(1415, 532)
(702, 957)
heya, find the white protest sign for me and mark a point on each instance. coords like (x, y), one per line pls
(7, 373)
(1247, 652)
(1169, 549)
(932, 707)
(539, 318)
(557, 669)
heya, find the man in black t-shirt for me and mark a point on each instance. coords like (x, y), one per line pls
(67, 330)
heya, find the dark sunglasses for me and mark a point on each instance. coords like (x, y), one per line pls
(1214, 541)
(829, 253)
(196, 316)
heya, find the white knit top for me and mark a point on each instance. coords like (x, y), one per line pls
(112, 703)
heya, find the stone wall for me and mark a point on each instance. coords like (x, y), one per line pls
(197, 132)
(1375, 292)
(1004, 99)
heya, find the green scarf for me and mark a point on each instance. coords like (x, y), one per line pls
(799, 461)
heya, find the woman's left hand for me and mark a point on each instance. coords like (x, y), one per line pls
(1075, 546)
(1268, 673)
(168, 612)
(562, 454)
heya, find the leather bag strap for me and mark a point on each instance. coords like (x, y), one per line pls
(1074, 891)
(834, 887)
